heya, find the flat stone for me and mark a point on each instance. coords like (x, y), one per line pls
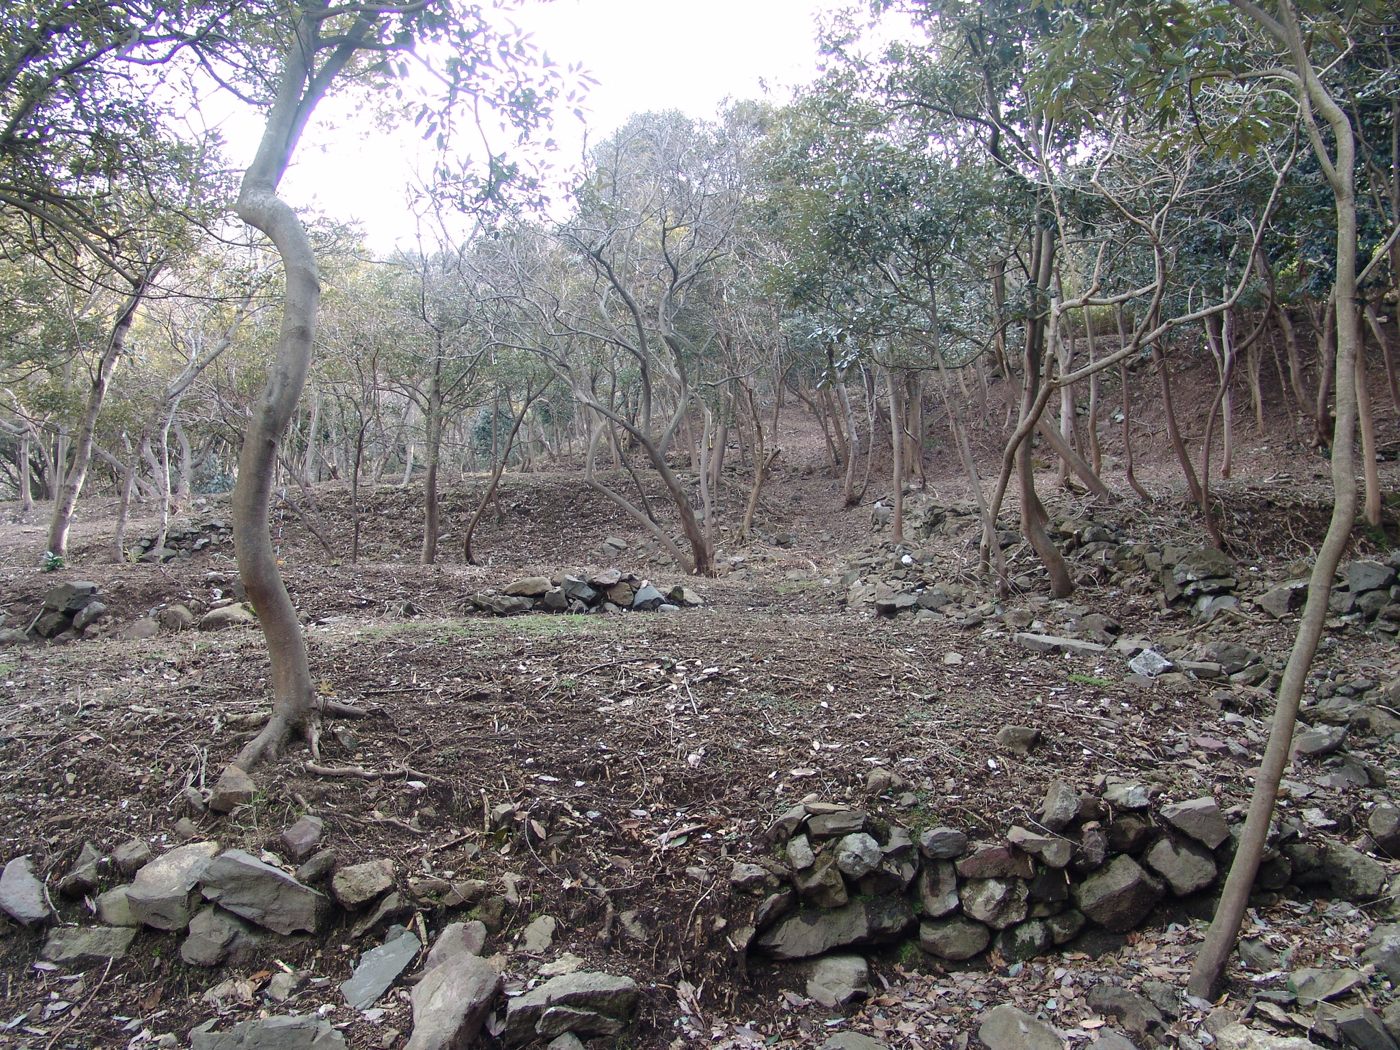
(1365, 575)
(942, 844)
(1187, 866)
(214, 936)
(1315, 985)
(380, 967)
(1199, 818)
(131, 856)
(527, 587)
(272, 1033)
(1007, 1028)
(114, 909)
(955, 938)
(1383, 951)
(356, 885)
(585, 1003)
(811, 932)
(538, 937)
(839, 980)
(458, 938)
(233, 788)
(451, 1002)
(1053, 851)
(997, 902)
(992, 860)
(1124, 794)
(301, 839)
(837, 824)
(262, 894)
(22, 895)
(1320, 741)
(87, 944)
(1049, 643)
(70, 597)
(164, 892)
(1118, 896)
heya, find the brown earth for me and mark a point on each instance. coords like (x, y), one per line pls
(649, 751)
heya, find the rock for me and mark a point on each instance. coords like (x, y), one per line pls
(942, 844)
(1049, 643)
(1123, 794)
(164, 894)
(1383, 822)
(1119, 896)
(502, 604)
(458, 938)
(938, 889)
(555, 600)
(956, 938)
(756, 879)
(997, 902)
(391, 909)
(538, 937)
(301, 839)
(647, 599)
(853, 1041)
(1383, 951)
(1060, 807)
(262, 894)
(89, 615)
(1202, 563)
(1352, 875)
(380, 967)
(1051, 850)
(858, 855)
(990, 860)
(272, 1033)
(281, 986)
(1065, 926)
(1186, 865)
(810, 932)
(608, 577)
(70, 597)
(1365, 575)
(1149, 663)
(1092, 851)
(1314, 985)
(130, 856)
(451, 1002)
(1361, 1027)
(1238, 1037)
(578, 590)
(1130, 832)
(114, 909)
(684, 596)
(235, 615)
(1200, 818)
(316, 867)
(822, 884)
(799, 853)
(1007, 1028)
(87, 944)
(1019, 740)
(234, 788)
(585, 1003)
(1283, 599)
(837, 823)
(567, 1041)
(356, 885)
(175, 617)
(1025, 940)
(839, 980)
(82, 878)
(1134, 1012)
(1319, 741)
(22, 895)
(215, 935)
(527, 587)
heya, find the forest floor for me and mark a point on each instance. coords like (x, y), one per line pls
(650, 751)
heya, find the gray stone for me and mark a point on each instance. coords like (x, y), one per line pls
(585, 1003)
(1134, 1012)
(1383, 951)
(1019, 740)
(1060, 807)
(858, 855)
(502, 604)
(356, 885)
(647, 599)
(131, 856)
(272, 1033)
(87, 944)
(567, 1041)
(89, 615)
(527, 587)
(555, 600)
(822, 884)
(1124, 794)
(1007, 1028)
(1315, 985)
(538, 937)
(1361, 1027)
(799, 853)
(837, 823)
(1320, 741)
(175, 617)
(233, 788)
(1202, 563)
(839, 980)
(391, 909)
(141, 630)
(1025, 940)
(1053, 851)
(262, 894)
(1049, 643)
(1065, 926)
(1353, 875)
(1383, 822)
(70, 597)
(1186, 865)
(22, 895)
(1365, 575)
(1238, 1037)
(753, 878)
(82, 878)
(938, 888)
(316, 867)
(1200, 818)
(235, 615)
(994, 860)
(282, 985)
(942, 844)
(608, 577)
(301, 839)
(451, 1002)
(214, 936)
(956, 938)
(997, 902)
(114, 909)
(458, 938)
(811, 932)
(1119, 896)
(380, 967)
(853, 1041)
(164, 894)
(1149, 663)
(1283, 599)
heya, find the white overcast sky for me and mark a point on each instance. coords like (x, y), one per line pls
(645, 55)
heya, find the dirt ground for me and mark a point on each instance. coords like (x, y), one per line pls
(644, 753)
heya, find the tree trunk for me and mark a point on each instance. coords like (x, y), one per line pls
(432, 449)
(1183, 457)
(1367, 423)
(895, 387)
(66, 498)
(498, 466)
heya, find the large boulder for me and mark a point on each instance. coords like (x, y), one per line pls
(272, 1033)
(1007, 1028)
(22, 895)
(1200, 818)
(956, 938)
(164, 893)
(452, 1000)
(584, 1003)
(262, 894)
(810, 932)
(1118, 896)
(87, 944)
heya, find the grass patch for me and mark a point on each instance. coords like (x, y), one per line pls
(1089, 679)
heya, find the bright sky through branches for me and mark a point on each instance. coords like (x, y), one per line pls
(645, 55)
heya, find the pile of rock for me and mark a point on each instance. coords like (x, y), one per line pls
(609, 591)
(69, 609)
(183, 540)
(1203, 577)
(1370, 593)
(848, 879)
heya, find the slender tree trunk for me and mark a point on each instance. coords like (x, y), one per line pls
(1327, 354)
(26, 477)
(432, 449)
(498, 467)
(848, 484)
(1367, 423)
(895, 387)
(1095, 448)
(1183, 457)
(1373, 321)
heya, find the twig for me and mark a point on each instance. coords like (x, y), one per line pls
(80, 1010)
